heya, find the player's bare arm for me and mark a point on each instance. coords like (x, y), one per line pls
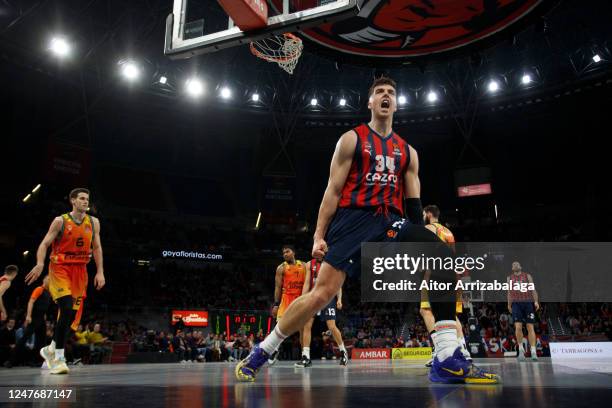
(3, 288)
(412, 184)
(278, 286)
(339, 301)
(41, 253)
(536, 300)
(306, 287)
(412, 189)
(28, 318)
(99, 280)
(339, 170)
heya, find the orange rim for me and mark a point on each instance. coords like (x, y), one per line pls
(286, 58)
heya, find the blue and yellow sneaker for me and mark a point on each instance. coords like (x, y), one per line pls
(457, 370)
(247, 368)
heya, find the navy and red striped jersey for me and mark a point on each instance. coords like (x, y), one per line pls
(516, 295)
(315, 265)
(376, 177)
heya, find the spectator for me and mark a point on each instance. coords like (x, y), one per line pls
(180, 348)
(98, 344)
(163, 343)
(7, 342)
(80, 347)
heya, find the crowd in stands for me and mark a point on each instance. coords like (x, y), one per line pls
(196, 346)
(585, 319)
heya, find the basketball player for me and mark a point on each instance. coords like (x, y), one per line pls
(10, 272)
(291, 281)
(328, 314)
(372, 171)
(523, 306)
(72, 237)
(431, 215)
(35, 317)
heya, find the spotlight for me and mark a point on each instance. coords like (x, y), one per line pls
(342, 102)
(163, 80)
(314, 102)
(226, 93)
(493, 86)
(25, 253)
(38, 186)
(255, 97)
(194, 87)
(526, 79)
(596, 58)
(60, 47)
(401, 100)
(27, 198)
(130, 71)
(432, 97)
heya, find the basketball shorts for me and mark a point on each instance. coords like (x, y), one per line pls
(328, 312)
(286, 300)
(523, 312)
(68, 280)
(352, 226)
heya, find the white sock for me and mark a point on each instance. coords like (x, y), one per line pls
(273, 340)
(534, 352)
(445, 339)
(463, 345)
(306, 352)
(341, 347)
(59, 354)
(52, 346)
(521, 350)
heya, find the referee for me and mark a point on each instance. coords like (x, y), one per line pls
(35, 317)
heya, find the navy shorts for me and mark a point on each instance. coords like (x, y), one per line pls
(352, 226)
(329, 311)
(523, 312)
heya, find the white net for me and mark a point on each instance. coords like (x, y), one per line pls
(283, 49)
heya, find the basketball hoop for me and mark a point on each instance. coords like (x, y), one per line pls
(284, 49)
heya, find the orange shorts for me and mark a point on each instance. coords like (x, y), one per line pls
(286, 300)
(68, 279)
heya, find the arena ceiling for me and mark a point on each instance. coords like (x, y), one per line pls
(455, 49)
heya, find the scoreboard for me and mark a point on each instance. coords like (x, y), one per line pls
(240, 322)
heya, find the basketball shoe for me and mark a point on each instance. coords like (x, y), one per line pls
(457, 370)
(248, 368)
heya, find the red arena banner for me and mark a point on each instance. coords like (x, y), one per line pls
(474, 190)
(191, 317)
(371, 354)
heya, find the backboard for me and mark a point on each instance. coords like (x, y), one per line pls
(202, 26)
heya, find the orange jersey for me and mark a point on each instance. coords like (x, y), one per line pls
(294, 276)
(73, 243)
(444, 233)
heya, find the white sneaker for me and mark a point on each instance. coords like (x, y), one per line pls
(49, 357)
(59, 367)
